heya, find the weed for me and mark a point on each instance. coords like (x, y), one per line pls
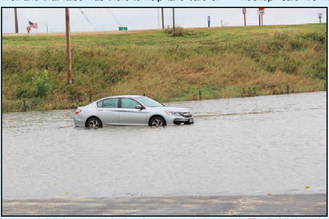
(218, 62)
(42, 83)
(316, 36)
(280, 35)
(177, 32)
(116, 76)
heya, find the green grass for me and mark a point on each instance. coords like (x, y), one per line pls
(218, 62)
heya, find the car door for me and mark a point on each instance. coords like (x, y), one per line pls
(108, 111)
(129, 115)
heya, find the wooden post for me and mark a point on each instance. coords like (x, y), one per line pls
(200, 97)
(16, 20)
(68, 47)
(24, 105)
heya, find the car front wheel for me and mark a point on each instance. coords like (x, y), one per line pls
(157, 121)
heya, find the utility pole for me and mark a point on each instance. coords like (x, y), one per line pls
(16, 20)
(68, 47)
(162, 18)
(244, 12)
(173, 18)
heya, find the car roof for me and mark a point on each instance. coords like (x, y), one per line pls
(123, 96)
(119, 96)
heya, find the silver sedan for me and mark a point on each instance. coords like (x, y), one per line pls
(130, 110)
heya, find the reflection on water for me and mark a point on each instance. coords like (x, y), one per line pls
(240, 146)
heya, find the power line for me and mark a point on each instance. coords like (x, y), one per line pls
(114, 18)
(87, 19)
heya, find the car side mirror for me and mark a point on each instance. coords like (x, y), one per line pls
(140, 107)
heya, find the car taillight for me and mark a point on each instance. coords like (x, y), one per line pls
(77, 111)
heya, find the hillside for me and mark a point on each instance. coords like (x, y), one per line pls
(218, 62)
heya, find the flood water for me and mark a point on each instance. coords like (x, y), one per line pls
(239, 146)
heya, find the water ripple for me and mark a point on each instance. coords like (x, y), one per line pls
(239, 146)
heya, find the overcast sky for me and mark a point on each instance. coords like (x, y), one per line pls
(103, 19)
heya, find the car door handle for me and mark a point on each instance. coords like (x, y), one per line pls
(99, 110)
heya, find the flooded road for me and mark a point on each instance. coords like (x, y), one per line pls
(241, 146)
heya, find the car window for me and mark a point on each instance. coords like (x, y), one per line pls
(128, 103)
(100, 104)
(149, 102)
(108, 103)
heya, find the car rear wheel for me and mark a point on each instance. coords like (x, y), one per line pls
(157, 121)
(93, 122)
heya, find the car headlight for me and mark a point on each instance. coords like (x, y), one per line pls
(172, 113)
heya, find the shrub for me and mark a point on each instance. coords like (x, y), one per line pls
(74, 92)
(115, 76)
(281, 35)
(42, 83)
(296, 45)
(25, 91)
(178, 32)
(289, 64)
(315, 36)
(270, 68)
(317, 71)
(52, 59)
(248, 91)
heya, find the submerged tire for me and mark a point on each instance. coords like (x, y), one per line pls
(157, 121)
(94, 122)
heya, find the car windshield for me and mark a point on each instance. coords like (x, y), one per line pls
(149, 102)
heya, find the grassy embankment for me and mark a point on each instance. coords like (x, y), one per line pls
(219, 62)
